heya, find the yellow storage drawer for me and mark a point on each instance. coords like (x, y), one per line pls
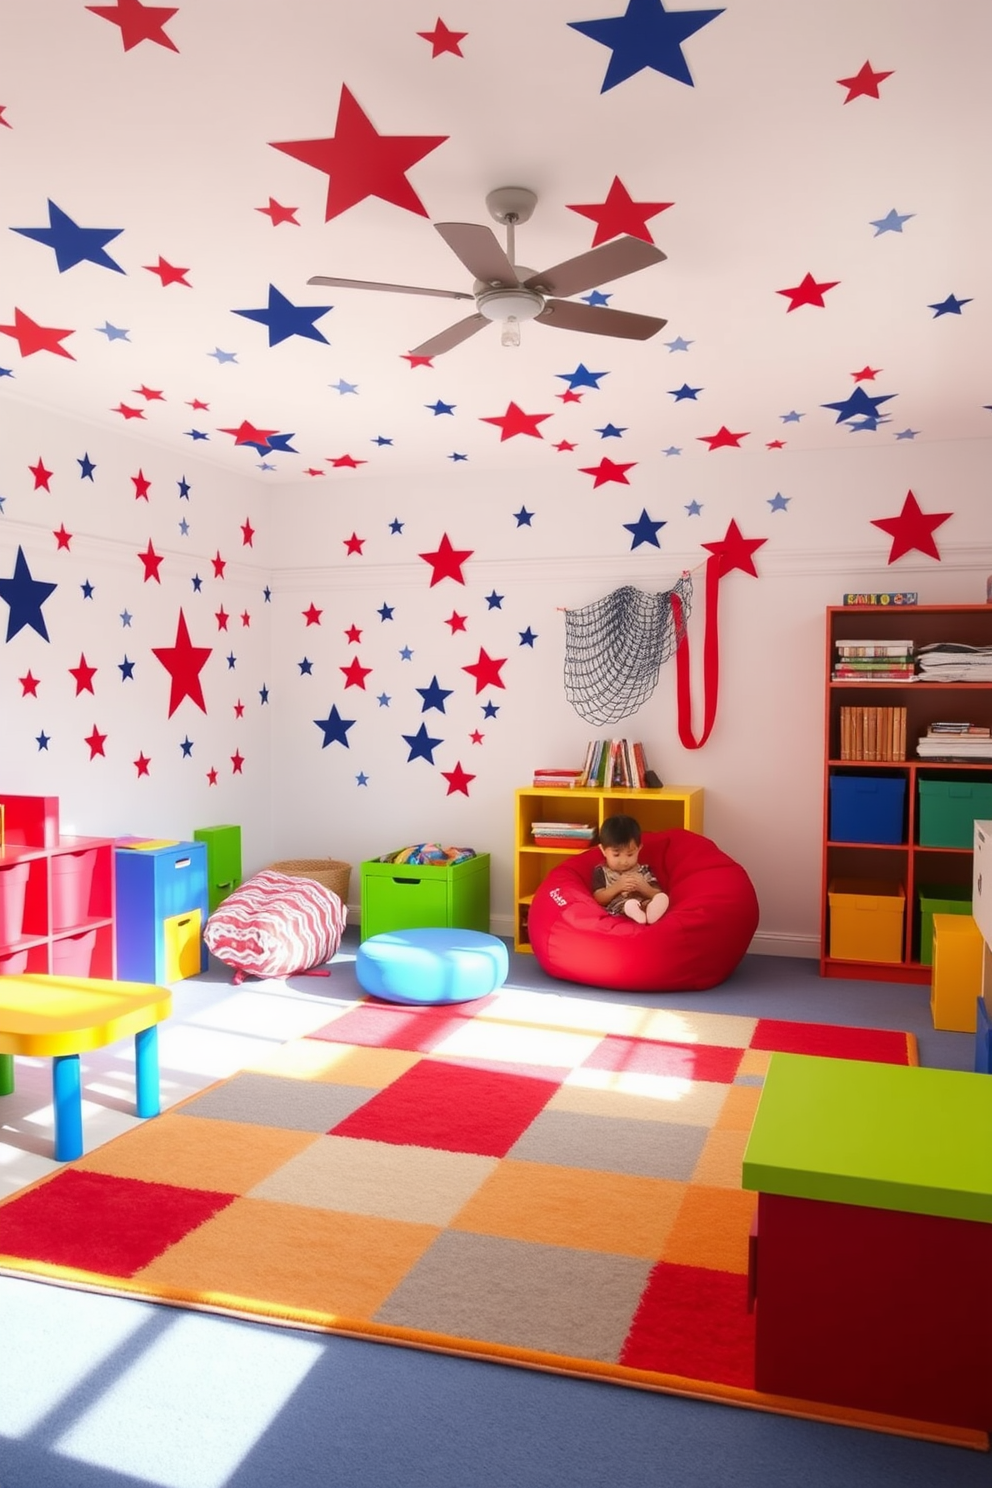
(866, 919)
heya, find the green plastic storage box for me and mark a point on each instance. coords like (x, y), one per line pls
(948, 810)
(401, 896)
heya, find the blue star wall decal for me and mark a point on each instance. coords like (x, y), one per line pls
(792, 417)
(264, 465)
(489, 710)
(197, 583)
(406, 654)
(671, 450)
(125, 619)
(42, 740)
(335, 728)
(264, 693)
(439, 407)
(685, 391)
(196, 434)
(280, 443)
(306, 667)
(384, 700)
(494, 600)
(422, 746)
(73, 244)
(232, 661)
(112, 332)
(434, 695)
(581, 377)
(891, 222)
(186, 745)
(87, 589)
(25, 597)
(183, 489)
(694, 508)
(778, 502)
(907, 433)
(597, 297)
(126, 669)
(527, 637)
(679, 344)
(223, 356)
(457, 457)
(267, 594)
(523, 517)
(361, 778)
(283, 319)
(857, 404)
(385, 612)
(2, 500)
(184, 527)
(644, 530)
(646, 35)
(610, 431)
(396, 526)
(6, 371)
(951, 306)
(86, 468)
(380, 439)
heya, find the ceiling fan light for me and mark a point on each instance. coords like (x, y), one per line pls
(501, 304)
(510, 335)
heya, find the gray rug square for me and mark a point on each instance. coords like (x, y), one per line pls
(269, 1100)
(644, 1149)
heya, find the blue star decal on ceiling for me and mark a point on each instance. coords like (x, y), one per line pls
(223, 356)
(263, 693)
(385, 612)
(267, 594)
(494, 600)
(907, 433)
(335, 728)
(523, 517)
(694, 508)
(380, 439)
(434, 696)
(457, 457)
(891, 222)
(73, 244)
(196, 434)
(306, 667)
(672, 449)
(422, 746)
(396, 526)
(184, 527)
(125, 619)
(644, 530)
(384, 700)
(232, 661)
(581, 377)
(343, 387)
(951, 306)
(679, 344)
(283, 319)
(489, 710)
(87, 589)
(126, 669)
(858, 404)
(197, 583)
(685, 391)
(597, 297)
(778, 502)
(186, 745)
(86, 468)
(610, 431)
(6, 371)
(527, 637)
(112, 332)
(792, 417)
(406, 654)
(439, 407)
(646, 35)
(25, 596)
(361, 778)
(183, 489)
(42, 740)
(264, 465)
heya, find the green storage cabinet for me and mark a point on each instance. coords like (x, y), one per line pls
(939, 899)
(949, 809)
(223, 846)
(401, 896)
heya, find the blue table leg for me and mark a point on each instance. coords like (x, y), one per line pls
(68, 1107)
(6, 1074)
(146, 1067)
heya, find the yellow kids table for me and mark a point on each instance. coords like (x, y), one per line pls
(62, 1017)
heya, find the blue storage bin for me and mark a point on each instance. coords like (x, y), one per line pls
(867, 808)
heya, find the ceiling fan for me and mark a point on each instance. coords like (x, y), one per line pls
(510, 294)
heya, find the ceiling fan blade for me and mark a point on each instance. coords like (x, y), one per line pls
(444, 294)
(565, 315)
(453, 336)
(598, 266)
(479, 250)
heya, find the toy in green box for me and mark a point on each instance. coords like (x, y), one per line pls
(423, 886)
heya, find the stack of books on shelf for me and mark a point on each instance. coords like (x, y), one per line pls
(615, 762)
(872, 733)
(874, 661)
(562, 834)
(949, 661)
(956, 741)
(552, 779)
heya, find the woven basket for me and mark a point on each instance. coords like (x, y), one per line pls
(330, 872)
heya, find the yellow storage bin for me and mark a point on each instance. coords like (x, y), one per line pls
(866, 919)
(958, 953)
(182, 935)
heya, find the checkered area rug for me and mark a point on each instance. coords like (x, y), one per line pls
(543, 1180)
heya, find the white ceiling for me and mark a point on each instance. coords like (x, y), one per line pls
(775, 168)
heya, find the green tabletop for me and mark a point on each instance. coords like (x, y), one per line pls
(886, 1136)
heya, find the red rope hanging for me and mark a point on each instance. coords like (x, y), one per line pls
(711, 660)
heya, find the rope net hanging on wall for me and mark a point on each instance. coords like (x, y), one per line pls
(614, 649)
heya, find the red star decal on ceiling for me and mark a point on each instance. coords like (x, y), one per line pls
(168, 273)
(867, 374)
(457, 779)
(515, 421)
(486, 671)
(32, 337)
(864, 83)
(312, 615)
(417, 361)
(142, 485)
(219, 564)
(29, 685)
(569, 396)
(245, 618)
(222, 617)
(141, 764)
(775, 444)
(83, 674)
(476, 737)
(353, 635)
(41, 475)
(239, 709)
(606, 471)
(63, 539)
(446, 561)
(723, 438)
(247, 533)
(619, 215)
(310, 471)
(96, 742)
(807, 292)
(139, 22)
(152, 562)
(5, 122)
(151, 395)
(246, 433)
(360, 163)
(237, 761)
(563, 445)
(456, 621)
(211, 777)
(279, 214)
(344, 462)
(355, 674)
(197, 403)
(127, 412)
(734, 551)
(443, 40)
(912, 530)
(184, 662)
(353, 544)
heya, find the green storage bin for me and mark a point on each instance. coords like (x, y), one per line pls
(223, 846)
(939, 899)
(401, 896)
(949, 809)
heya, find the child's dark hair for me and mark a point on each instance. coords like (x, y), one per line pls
(617, 831)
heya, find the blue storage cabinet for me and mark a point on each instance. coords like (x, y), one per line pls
(867, 808)
(161, 911)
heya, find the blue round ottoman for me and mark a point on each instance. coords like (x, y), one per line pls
(431, 965)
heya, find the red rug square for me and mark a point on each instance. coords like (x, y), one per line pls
(382, 1025)
(695, 1323)
(878, 1045)
(91, 1222)
(682, 1061)
(453, 1107)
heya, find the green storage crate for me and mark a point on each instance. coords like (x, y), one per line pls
(401, 896)
(223, 846)
(939, 899)
(949, 809)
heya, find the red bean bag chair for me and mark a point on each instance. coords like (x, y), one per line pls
(697, 944)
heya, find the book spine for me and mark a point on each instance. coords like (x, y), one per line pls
(641, 764)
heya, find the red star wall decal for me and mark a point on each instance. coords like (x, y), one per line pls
(775, 444)
(141, 764)
(127, 412)
(312, 615)
(151, 395)
(152, 562)
(310, 471)
(457, 779)
(353, 635)
(723, 438)
(63, 539)
(32, 337)
(476, 737)
(41, 475)
(29, 685)
(442, 40)
(168, 273)
(486, 671)
(211, 777)
(222, 617)
(864, 83)
(279, 214)
(184, 662)
(456, 621)
(245, 618)
(360, 163)
(197, 403)
(237, 761)
(84, 675)
(867, 374)
(139, 22)
(344, 462)
(807, 292)
(607, 471)
(219, 564)
(96, 741)
(563, 445)
(619, 215)
(142, 485)
(239, 709)
(5, 122)
(355, 674)
(446, 561)
(247, 534)
(734, 551)
(913, 529)
(569, 396)
(353, 544)
(515, 421)
(417, 361)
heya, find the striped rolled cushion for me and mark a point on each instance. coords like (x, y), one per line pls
(275, 925)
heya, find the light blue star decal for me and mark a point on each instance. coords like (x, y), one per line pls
(223, 356)
(343, 387)
(362, 778)
(384, 700)
(951, 306)
(306, 667)
(610, 431)
(112, 332)
(86, 468)
(644, 530)
(891, 222)
(523, 517)
(646, 35)
(685, 391)
(679, 344)
(671, 450)
(581, 377)
(184, 527)
(264, 465)
(694, 508)
(527, 637)
(406, 654)
(778, 502)
(73, 244)
(283, 319)
(791, 418)
(438, 408)
(597, 298)
(907, 433)
(125, 618)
